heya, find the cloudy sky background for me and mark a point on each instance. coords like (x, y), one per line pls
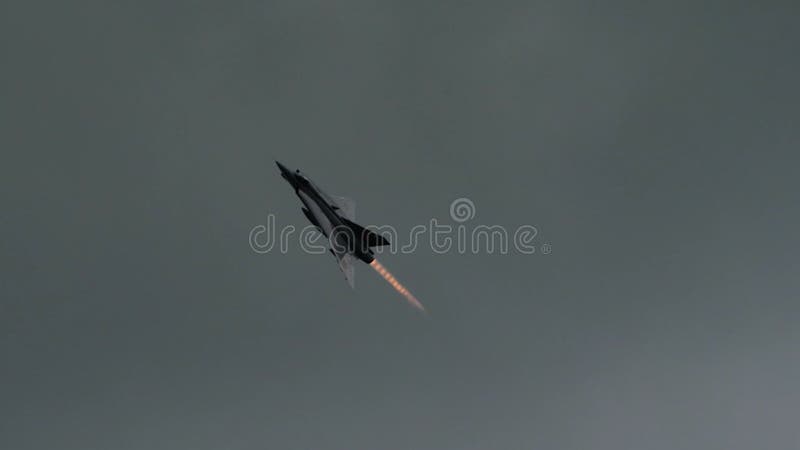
(653, 146)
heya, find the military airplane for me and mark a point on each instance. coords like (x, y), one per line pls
(334, 218)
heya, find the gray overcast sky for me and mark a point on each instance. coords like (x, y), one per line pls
(653, 145)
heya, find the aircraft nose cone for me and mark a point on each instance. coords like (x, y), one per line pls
(282, 167)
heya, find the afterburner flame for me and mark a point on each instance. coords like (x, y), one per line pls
(396, 284)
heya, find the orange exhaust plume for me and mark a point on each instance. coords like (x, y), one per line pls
(396, 284)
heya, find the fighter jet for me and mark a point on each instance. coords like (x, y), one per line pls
(334, 218)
